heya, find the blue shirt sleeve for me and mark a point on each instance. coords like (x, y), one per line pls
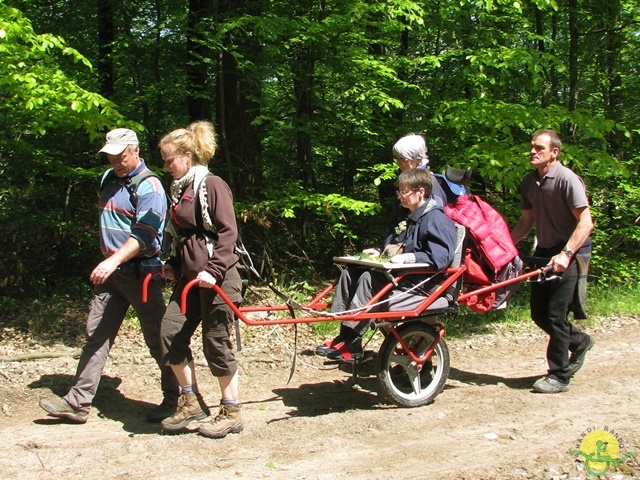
(151, 213)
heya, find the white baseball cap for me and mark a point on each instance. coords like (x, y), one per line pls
(118, 140)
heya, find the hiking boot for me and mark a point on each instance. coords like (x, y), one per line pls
(576, 360)
(160, 412)
(59, 408)
(188, 410)
(228, 420)
(550, 385)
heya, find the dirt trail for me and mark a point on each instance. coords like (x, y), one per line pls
(485, 424)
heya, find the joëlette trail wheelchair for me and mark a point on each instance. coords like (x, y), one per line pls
(413, 360)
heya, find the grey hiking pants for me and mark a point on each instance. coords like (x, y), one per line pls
(108, 309)
(356, 287)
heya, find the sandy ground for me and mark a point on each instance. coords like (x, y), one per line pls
(486, 424)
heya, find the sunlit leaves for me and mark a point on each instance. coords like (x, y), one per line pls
(34, 87)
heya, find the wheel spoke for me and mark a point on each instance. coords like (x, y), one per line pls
(404, 360)
(414, 378)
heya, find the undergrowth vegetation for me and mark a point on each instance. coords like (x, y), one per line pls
(61, 317)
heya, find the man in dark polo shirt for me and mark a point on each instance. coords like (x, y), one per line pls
(554, 199)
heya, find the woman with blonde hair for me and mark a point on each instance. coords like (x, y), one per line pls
(202, 232)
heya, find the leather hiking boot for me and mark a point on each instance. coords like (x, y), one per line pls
(59, 408)
(188, 410)
(576, 360)
(550, 385)
(228, 420)
(160, 412)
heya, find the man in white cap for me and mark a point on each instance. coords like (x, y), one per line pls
(132, 218)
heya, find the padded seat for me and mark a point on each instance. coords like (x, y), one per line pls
(400, 300)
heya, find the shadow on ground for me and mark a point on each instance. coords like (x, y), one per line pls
(473, 378)
(109, 403)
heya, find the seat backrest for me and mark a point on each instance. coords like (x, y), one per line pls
(458, 257)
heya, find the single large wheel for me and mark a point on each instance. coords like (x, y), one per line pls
(402, 381)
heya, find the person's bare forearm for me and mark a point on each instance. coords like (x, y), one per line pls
(523, 227)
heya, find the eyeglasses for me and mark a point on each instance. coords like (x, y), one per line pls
(406, 193)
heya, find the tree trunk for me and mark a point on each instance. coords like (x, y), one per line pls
(198, 95)
(574, 34)
(237, 105)
(613, 94)
(303, 65)
(106, 36)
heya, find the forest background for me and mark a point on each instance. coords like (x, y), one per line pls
(308, 97)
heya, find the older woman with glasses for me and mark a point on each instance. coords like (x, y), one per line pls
(428, 236)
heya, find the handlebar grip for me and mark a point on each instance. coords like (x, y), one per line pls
(145, 285)
(185, 292)
(546, 269)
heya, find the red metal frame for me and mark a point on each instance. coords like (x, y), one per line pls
(427, 355)
(317, 304)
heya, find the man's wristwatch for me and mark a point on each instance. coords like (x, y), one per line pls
(568, 252)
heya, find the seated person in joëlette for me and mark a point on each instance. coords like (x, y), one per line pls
(429, 237)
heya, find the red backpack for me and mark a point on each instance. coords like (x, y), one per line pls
(492, 257)
(489, 232)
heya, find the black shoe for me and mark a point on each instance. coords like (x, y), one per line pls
(347, 351)
(326, 348)
(59, 408)
(576, 360)
(162, 411)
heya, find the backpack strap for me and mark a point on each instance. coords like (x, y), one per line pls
(130, 183)
(245, 260)
(199, 207)
(107, 177)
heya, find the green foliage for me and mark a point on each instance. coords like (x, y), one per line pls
(48, 120)
(616, 236)
(33, 85)
(328, 87)
(614, 300)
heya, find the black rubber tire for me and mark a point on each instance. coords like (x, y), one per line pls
(401, 382)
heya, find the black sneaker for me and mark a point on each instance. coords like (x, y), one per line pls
(59, 408)
(576, 360)
(329, 347)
